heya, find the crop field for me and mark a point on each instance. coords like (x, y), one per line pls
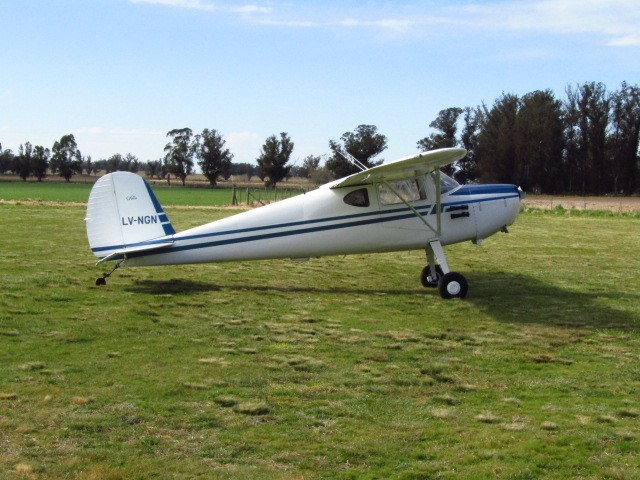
(167, 195)
(341, 367)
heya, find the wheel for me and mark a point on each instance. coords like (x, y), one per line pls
(453, 285)
(101, 281)
(426, 273)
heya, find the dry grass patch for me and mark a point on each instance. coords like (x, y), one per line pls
(607, 419)
(227, 401)
(488, 417)
(221, 362)
(33, 366)
(629, 413)
(441, 413)
(252, 408)
(550, 426)
(24, 471)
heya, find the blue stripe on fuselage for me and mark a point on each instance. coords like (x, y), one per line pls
(470, 190)
(378, 217)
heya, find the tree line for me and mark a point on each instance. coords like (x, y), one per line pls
(586, 143)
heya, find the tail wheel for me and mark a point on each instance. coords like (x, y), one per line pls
(425, 276)
(453, 285)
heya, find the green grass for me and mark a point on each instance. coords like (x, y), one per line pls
(333, 368)
(174, 195)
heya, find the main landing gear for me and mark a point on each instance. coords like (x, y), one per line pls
(449, 284)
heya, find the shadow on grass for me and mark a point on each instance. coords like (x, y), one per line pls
(516, 298)
(156, 287)
(173, 287)
(507, 297)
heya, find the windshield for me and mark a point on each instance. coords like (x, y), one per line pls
(446, 182)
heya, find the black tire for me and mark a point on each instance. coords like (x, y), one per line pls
(100, 281)
(453, 285)
(426, 273)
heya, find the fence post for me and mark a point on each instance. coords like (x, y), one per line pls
(234, 199)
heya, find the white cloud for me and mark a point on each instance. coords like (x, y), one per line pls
(190, 4)
(615, 22)
(207, 6)
(612, 22)
(627, 41)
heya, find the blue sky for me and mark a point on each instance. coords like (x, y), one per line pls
(119, 74)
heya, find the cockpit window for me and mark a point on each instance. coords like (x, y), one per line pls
(357, 198)
(446, 182)
(408, 189)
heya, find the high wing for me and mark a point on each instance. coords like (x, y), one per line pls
(403, 168)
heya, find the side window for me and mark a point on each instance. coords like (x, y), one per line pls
(357, 198)
(408, 189)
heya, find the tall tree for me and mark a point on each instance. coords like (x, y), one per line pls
(66, 158)
(586, 121)
(364, 144)
(496, 146)
(273, 159)
(213, 158)
(573, 160)
(153, 168)
(114, 163)
(625, 138)
(40, 162)
(88, 165)
(594, 119)
(6, 160)
(22, 162)
(447, 124)
(131, 163)
(539, 142)
(309, 165)
(468, 166)
(179, 153)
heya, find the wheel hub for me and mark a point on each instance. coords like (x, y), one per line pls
(453, 288)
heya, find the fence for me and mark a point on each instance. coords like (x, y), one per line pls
(262, 195)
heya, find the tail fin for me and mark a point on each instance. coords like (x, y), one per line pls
(124, 215)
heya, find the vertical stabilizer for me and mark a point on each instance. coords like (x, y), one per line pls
(123, 212)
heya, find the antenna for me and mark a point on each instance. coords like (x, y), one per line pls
(350, 158)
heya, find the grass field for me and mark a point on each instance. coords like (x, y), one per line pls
(174, 195)
(333, 368)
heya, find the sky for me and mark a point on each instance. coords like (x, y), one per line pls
(119, 74)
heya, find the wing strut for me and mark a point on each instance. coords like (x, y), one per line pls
(350, 158)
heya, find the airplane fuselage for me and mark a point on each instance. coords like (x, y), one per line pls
(359, 219)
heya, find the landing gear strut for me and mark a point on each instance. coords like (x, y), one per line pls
(103, 279)
(450, 284)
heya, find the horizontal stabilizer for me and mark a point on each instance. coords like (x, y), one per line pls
(123, 252)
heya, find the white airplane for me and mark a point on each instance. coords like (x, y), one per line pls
(404, 205)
